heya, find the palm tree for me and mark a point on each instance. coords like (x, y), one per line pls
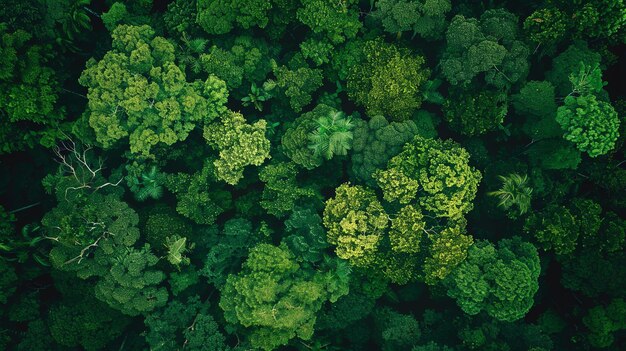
(514, 193)
(333, 135)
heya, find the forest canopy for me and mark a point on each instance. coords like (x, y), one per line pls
(230, 175)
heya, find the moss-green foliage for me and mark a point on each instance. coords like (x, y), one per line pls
(239, 145)
(281, 192)
(489, 48)
(137, 91)
(388, 80)
(29, 91)
(501, 282)
(171, 327)
(88, 323)
(423, 17)
(220, 17)
(337, 21)
(275, 299)
(297, 84)
(603, 322)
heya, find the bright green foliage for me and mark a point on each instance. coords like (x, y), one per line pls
(137, 91)
(228, 250)
(603, 322)
(87, 323)
(407, 230)
(298, 84)
(184, 324)
(257, 96)
(515, 194)
(333, 135)
(220, 17)
(275, 299)
(587, 80)
(388, 81)
(199, 198)
(475, 113)
(546, 26)
(244, 59)
(591, 124)
(296, 140)
(376, 141)
(489, 46)
(239, 145)
(554, 154)
(438, 172)
(176, 247)
(132, 285)
(356, 221)
(115, 15)
(568, 63)
(424, 17)
(28, 93)
(501, 282)
(337, 20)
(281, 192)
(448, 249)
(559, 228)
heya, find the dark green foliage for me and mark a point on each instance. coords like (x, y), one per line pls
(501, 282)
(489, 48)
(475, 114)
(423, 175)
(388, 80)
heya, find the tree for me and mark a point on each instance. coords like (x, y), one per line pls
(220, 17)
(239, 145)
(435, 174)
(281, 192)
(356, 221)
(514, 195)
(489, 48)
(137, 91)
(275, 299)
(199, 197)
(501, 282)
(298, 84)
(376, 141)
(424, 17)
(475, 113)
(29, 91)
(591, 124)
(603, 322)
(338, 21)
(333, 135)
(388, 81)
(559, 228)
(297, 141)
(184, 323)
